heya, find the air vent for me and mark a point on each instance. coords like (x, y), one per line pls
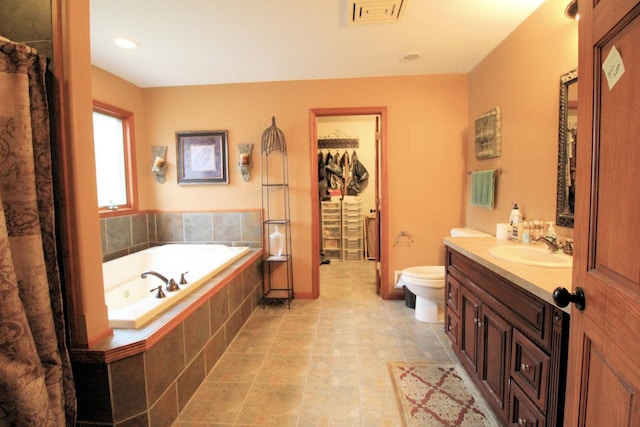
(375, 11)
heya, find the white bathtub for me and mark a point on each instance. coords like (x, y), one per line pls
(129, 298)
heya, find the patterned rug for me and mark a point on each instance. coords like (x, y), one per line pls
(436, 394)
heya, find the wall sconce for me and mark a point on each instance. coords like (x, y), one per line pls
(159, 166)
(571, 10)
(245, 160)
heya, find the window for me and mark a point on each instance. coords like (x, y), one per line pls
(114, 154)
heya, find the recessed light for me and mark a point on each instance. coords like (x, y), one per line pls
(411, 56)
(125, 43)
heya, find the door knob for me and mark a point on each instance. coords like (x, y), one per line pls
(562, 297)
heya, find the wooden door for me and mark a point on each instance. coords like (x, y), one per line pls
(493, 366)
(603, 384)
(469, 313)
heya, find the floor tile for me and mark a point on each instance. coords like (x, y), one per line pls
(322, 362)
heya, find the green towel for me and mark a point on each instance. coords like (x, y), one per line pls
(483, 188)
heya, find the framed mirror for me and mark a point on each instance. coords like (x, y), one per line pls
(567, 139)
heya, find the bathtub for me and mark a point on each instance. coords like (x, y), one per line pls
(131, 300)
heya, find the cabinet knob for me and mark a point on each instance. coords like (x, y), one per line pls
(562, 297)
(449, 294)
(525, 367)
(522, 421)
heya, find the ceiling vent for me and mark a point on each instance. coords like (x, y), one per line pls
(375, 11)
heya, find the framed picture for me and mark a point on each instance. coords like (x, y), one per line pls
(488, 137)
(202, 157)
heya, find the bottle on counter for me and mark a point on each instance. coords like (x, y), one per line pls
(526, 232)
(515, 223)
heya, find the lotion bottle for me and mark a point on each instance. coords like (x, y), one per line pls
(276, 242)
(514, 220)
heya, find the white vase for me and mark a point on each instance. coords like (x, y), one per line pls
(276, 242)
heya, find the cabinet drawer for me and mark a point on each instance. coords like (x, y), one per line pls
(330, 216)
(353, 255)
(355, 243)
(530, 369)
(330, 205)
(522, 412)
(332, 253)
(331, 244)
(352, 232)
(331, 232)
(453, 293)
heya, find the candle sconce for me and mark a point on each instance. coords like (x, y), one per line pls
(245, 160)
(159, 167)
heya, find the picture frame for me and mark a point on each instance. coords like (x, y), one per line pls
(488, 137)
(202, 157)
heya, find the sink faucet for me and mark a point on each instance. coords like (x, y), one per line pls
(551, 243)
(170, 284)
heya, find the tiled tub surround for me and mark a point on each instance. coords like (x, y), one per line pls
(146, 376)
(123, 235)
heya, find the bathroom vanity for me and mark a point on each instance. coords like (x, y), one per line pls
(505, 329)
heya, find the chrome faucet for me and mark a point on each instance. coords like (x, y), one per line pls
(170, 284)
(551, 242)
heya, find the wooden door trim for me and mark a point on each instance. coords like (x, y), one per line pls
(314, 113)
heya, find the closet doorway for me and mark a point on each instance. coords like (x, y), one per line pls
(348, 137)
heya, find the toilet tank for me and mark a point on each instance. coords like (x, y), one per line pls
(468, 232)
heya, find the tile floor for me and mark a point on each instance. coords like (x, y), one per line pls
(321, 363)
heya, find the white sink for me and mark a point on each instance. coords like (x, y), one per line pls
(530, 255)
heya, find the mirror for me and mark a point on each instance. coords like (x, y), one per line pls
(567, 139)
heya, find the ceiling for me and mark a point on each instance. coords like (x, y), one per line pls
(195, 42)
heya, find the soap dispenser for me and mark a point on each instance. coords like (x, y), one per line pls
(551, 231)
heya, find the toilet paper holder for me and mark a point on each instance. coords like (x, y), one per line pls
(403, 235)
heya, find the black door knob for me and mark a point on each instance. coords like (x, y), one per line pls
(562, 297)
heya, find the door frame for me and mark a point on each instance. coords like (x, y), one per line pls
(382, 272)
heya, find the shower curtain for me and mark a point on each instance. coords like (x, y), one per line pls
(36, 384)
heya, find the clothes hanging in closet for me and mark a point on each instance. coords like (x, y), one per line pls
(359, 175)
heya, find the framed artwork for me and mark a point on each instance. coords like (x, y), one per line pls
(488, 137)
(202, 157)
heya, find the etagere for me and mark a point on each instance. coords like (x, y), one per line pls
(278, 264)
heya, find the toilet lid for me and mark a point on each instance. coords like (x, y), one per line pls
(431, 272)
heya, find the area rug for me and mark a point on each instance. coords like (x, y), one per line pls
(436, 394)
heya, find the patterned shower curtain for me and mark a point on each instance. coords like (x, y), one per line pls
(36, 384)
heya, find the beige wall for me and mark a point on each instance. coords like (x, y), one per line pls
(117, 92)
(426, 135)
(430, 147)
(522, 76)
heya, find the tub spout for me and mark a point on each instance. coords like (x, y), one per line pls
(170, 284)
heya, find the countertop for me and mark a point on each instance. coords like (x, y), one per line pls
(540, 281)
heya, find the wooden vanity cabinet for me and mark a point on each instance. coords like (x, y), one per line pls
(512, 343)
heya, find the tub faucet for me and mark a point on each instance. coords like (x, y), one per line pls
(170, 284)
(551, 243)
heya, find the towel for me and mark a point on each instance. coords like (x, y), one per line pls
(483, 188)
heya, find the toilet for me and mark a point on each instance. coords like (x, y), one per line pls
(427, 283)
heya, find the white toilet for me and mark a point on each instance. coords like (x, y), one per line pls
(427, 283)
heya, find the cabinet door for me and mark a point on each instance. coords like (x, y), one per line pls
(469, 313)
(452, 328)
(495, 348)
